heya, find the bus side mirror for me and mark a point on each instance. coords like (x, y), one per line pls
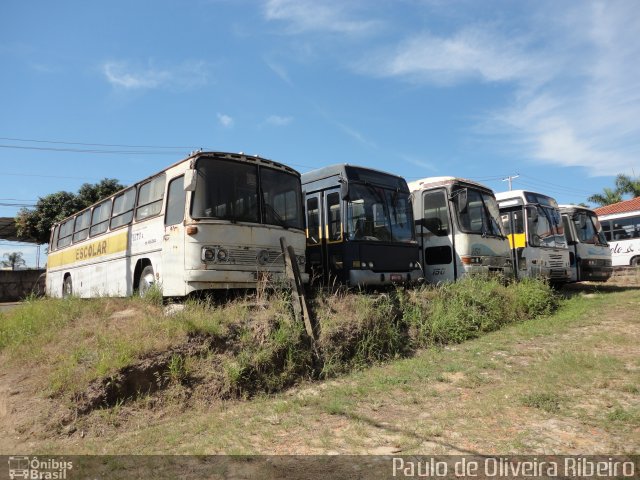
(190, 178)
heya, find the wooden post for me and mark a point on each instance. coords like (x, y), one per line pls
(299, 299)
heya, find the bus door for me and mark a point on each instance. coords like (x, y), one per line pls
(435, 236)
(574, 246)
(333, 247)
(315, 235)
(173, 262)
(514, 226)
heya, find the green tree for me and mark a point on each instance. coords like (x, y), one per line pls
(607, 197)
(13, 260)
(35, 224)
(626, 185)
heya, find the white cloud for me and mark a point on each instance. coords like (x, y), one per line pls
(588, 115)
(225, 120)
(472, 53)
(280, 71)
(278, 121)
(573, 71)
(317, 15)
(123, 75)
(356, 135)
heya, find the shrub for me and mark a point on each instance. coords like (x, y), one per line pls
(357, 330)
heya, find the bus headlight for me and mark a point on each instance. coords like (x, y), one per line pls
(371, 265)
(208, 254)
(223, 255)
(410, 264)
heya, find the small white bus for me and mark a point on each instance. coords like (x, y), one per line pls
(458, 229)
(621, 227)
(589, 252)
(533, 224)
(211, 221)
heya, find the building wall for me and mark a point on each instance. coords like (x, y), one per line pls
(15, 285)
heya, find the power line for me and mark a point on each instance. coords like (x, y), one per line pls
(83, 150)
(93, 144)
(564, 187)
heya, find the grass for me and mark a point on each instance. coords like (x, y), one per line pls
(547, 401)
(385, 360)
(260, 348)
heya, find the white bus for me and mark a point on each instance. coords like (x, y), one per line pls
(211, 221)
(589, 253)
(621, 226)
(458, 229)
(533, 224)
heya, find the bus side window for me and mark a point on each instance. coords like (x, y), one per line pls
(81, 230)
(313, 221)
(333, 210)
(100, 218)
(606, 228)
(123, 208)
(150, 198)
(175, 202)
(435, 214)
(66, 230)
(53, 245)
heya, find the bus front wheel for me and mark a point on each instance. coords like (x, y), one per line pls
(635, 262)
(147, 279)
(67, 287)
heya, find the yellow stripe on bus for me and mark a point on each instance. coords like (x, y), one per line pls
(517, 240)
(89, 250)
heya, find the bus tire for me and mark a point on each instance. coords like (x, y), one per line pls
(635, 262)
(67, 287)
(147, 280)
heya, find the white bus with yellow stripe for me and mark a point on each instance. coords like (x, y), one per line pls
(534, 227)
(211, 221)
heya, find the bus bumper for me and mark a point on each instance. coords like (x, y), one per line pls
(594, 272)
(214, 279)
(369, 277)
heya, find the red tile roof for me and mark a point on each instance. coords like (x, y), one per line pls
(620, 207)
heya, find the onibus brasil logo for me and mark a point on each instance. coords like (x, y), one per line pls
(37, 469)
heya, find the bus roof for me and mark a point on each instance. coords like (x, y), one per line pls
(195, 156)
(338, 169)
(430, 182)
(574, 208)
(326, 176)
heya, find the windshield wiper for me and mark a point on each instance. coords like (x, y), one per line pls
(279, 220)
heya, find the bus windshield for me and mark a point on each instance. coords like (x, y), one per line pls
(588, 228)
(379, 214)
(480, 214)
(228, 190)
(545, 227)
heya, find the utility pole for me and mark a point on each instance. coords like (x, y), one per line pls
(510, 179)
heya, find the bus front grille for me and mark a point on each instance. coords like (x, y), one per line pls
(251, 256)
(556, 261)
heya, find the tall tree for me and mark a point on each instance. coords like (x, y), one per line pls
(36, 223)
(607, 197)
(626, 185)
(13, 260)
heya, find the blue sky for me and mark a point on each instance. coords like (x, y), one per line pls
(549, 90)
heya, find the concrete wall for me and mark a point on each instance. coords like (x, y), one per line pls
(15, 285)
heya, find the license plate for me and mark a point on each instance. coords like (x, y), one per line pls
(396, 277)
